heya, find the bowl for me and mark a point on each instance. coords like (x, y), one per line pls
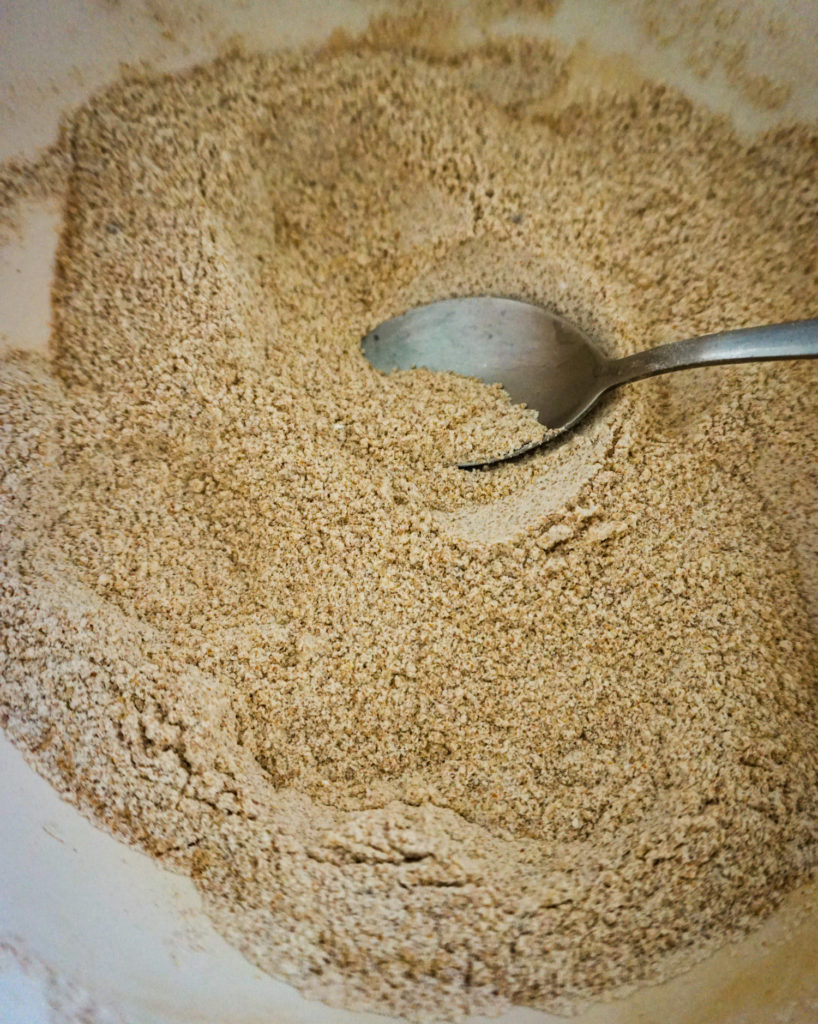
(91, 929)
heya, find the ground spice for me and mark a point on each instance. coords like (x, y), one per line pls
(429, 742)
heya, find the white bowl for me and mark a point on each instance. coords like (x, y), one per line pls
(92, 930)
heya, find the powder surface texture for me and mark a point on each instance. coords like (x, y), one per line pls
(429, 742)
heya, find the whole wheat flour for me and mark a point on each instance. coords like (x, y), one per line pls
(429, 742)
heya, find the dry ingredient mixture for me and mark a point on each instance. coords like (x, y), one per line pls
(428, 741)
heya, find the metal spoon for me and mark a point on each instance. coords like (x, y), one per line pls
(549, 364)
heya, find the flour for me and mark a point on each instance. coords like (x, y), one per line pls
(429, 742)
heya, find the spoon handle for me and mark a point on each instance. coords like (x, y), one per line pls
(796, 340)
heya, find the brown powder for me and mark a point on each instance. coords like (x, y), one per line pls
(429, 742)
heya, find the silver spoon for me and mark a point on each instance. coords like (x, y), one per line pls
(549, 364)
